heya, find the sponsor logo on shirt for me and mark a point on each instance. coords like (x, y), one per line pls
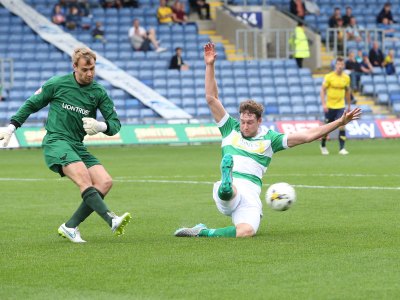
(258, 146)
(77, 109)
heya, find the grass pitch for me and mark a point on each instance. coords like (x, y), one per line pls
(339, 241)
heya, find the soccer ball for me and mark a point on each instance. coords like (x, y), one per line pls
(280, 196)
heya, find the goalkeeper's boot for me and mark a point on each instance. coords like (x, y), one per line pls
(225, 190)
(73, 234)
(118, 223)
(190, 232)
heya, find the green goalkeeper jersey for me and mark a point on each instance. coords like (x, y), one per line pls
(69, 103)
(251, 156)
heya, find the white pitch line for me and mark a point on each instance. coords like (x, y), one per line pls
(210, 182)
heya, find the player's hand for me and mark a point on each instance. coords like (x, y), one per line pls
(92, 126)
(5, 135)
(209, 53)
(349, 116)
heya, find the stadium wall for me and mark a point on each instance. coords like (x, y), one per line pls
(203, 133)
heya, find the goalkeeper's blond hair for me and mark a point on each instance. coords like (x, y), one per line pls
(82, 52)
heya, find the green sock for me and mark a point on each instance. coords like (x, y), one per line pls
(81, 214)
(93, 200)
(219, 232)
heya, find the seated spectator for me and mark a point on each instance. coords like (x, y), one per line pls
(58, 16)
(387, 28)
(111, 3)
(385, 13)
(165, 14)
(298, 8)
(98, 33)
(347, 16)
(179, 11)
(84, 8)
(366, 66)
(142, 40)
(177, 61)
(353, 31)
(333, 19)
(359, 56)
(339, 35)
(354, 69)
(1, 94)
(376, 56)
(388, 63)
(64, 7)
(73, 19)
(311, 7)
(202, 8)
(130, 3)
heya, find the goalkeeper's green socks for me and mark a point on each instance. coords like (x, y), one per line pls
(81, 214)
(219, 232)
(93, 200)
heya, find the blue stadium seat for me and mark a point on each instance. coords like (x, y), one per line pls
(296, 100)
(298, 109)
(383, 98)
(284, 109)
(312, 109)
(282, 91)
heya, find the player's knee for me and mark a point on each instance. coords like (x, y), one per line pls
(107, 183)
(244, 230)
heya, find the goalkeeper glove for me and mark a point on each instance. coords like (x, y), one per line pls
(6, 134)
(92, 126)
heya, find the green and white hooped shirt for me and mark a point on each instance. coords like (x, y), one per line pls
(251, 156)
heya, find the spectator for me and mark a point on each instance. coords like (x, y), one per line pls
(130, 3)
(353, 30)
(98, 33)
(73, 19)
(111, 3)
(366, 66)
(311, 7)
(339, 35)
(1, 93)
(354, 69)
(299, 43)
(333, 19)
(142, 40)
(298, 8)
(177, 61)
(387, 28)
(179, 11)
(200, 6)
(359, 56)
(347, 16)
(58, 16)
(165, 14)
(376, 56)
(84, 8)
(64, 7)
(389, 63)
(385, 13)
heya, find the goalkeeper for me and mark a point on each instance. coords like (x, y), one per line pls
(74, 100)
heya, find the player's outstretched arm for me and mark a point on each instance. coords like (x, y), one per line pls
(307, 136)
(216, 107)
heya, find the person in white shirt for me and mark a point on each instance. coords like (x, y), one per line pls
(142, 40)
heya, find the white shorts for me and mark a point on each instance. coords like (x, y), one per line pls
(246, 207)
